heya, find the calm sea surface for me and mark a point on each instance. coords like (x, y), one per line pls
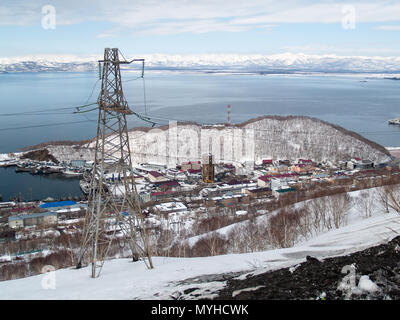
(25, 186)
(348, 101)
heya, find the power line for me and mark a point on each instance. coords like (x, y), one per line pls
(144, 96)
(49, 111)
(94, 86)
(268, 130)
(46, 125)
(144, 117)
(46, 111)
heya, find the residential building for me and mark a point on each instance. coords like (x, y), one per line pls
(169, 207)
(302, 168)
(264, 182)
(229, 200)
(279, 183)
(168, 185)
(145, 196)
(267, 162)
(279, 192)
(194, 165)
(258, 192)
(156, 196)
(25, 220)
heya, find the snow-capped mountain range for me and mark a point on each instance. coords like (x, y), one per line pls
(276, 63)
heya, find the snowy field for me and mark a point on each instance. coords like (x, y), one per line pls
(122, 279)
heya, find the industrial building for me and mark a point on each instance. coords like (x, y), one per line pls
(208, 171)
(155, 176)
(25, 220)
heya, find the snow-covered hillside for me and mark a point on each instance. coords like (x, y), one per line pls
(285, 62)
(122, 279)
(268, 137)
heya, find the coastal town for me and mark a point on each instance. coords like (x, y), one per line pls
(184, 190)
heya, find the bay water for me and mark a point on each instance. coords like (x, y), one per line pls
(41, 107)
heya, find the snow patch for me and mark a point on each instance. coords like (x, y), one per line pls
(365, 284)
(237, 292)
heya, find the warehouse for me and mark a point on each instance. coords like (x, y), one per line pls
(25, 220)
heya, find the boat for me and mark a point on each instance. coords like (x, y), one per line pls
(37, 170)
(8, 163)
(72, 172)
(53, 169)
(394, 121)
(85, 186)
(24, 169)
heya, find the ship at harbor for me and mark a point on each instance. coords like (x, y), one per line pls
(394, 121)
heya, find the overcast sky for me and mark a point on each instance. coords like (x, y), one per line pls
(368, 27)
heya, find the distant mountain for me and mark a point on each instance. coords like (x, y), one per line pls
(277, 63)
(47, 64)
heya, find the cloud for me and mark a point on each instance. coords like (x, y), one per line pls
(176, 16)
(388, 28)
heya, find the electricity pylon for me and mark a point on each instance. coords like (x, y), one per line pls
(114, 212)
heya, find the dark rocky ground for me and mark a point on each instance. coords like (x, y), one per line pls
(315, 279)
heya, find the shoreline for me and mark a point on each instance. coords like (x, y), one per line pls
(378, 75)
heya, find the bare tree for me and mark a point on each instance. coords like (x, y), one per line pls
(338, 207)
(305, 226)
(282, 227)
(319, 209)
(393, 194)
(382, 196)
(366, 203)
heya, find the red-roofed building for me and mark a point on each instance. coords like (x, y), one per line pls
(194, 172)
(229, 166)
(191, 165)
(155, 176)
(168, 185)
(285, 175)
(305, 161)
(302, 168)
(263, 181)
(267, 162)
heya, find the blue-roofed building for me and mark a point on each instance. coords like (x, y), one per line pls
(58, 204)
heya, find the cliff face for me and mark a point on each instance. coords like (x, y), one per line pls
(268, 137)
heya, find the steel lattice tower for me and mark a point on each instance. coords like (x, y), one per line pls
(114, 212)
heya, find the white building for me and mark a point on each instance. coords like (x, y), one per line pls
(169, 207)
(24, 220)
(281, 183)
